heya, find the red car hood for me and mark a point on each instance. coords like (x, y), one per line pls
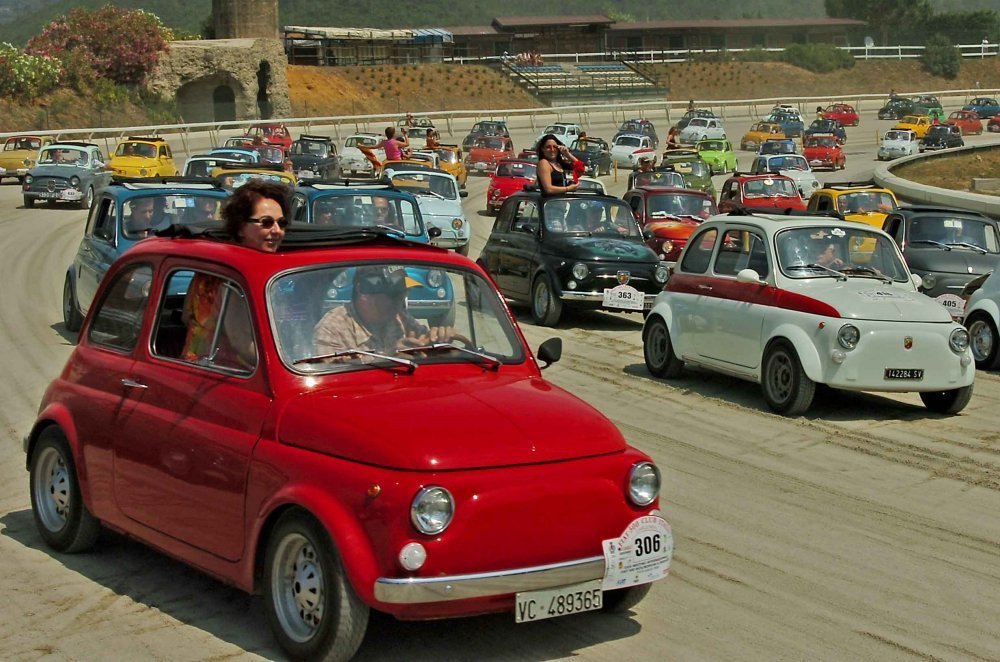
(509, 185)
(433, 424)
(818, 152)
(672, 229)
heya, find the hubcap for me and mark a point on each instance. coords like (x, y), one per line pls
(67, 301)
(657, 345)
(541, 299)
(298, 586)
(981, 340)
(52, 489)
(779, 377)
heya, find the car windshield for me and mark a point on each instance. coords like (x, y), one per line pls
(939, 130)
(63, 155)
(490, 143)
(156, 211)
(245, 157)
(838, 251)
(769, 187)
(694, 167)
(864, 202)
(143, 150)
(234, 179)
(311, 148)
(270, 154)
(824, 141)
(898, 135)
(447, 155)
(777, 147)
(367, 211)
(630, 127)
(590, 146)
(397, 316)
(951, 231)
(525, 170)
(698, 121)
(629, 141)
(365, 141)
(611, 219)
(679, 204)
(789, 162)
(430, 184)
(22, 143)
(555, 129)
(711, 146)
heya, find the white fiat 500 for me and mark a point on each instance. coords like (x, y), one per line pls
(791, 302)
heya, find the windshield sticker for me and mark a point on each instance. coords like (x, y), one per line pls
(838, 232)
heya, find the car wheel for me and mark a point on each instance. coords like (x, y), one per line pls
(546, 308)
(947, 402)
(62, 518)
(28, 202)
(658, 351)
(622, 599)
(787, 389)
(983, 340)
(72, 318)
(310, 605)
(88, 199)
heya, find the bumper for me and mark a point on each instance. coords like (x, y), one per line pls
(64, 195)
(596, 300)
(449, 242)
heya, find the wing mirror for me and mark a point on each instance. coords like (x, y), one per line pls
(749, 276)
(462, 193)
(433, 232)
(549, 352)
(917, 281)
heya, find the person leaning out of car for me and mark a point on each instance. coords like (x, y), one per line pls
(555, 166)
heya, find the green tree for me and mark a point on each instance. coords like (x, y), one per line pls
(886, 18)
(941, 58)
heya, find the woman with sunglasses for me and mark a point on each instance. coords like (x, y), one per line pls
(555, 166)
(256, 217)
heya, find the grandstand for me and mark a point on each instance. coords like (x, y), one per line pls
(573, 82)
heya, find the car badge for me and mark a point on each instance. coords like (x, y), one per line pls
(970, 270)
(623, 277)
(908, 342)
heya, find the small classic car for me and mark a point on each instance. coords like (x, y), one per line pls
(718, 154)
(276, 135)
(942, 136)
(767, 191)
(895, 109)
(280, 467)
(918, 124)
(233, 178)
(982, 319)
(595, 154)
(929, 105)
(628, 148)
(896, 143)
(692, 168)
(510, 177)
(235, 154)
(691, 114)
(141, 156)
(416, 127)
(945, 247)
(790, 165)
(823, 150)
(662, 177)
(440, 201)
(760, 132)
(564, 132)
(202, 165)
(638, 127)
(864, 202)
(354, 160)
(668, 216)
(18, 155)
(967, 121)
(485, 128)
(486, 152)
(983, 107)
(581, 251)
(831, 127)
(66, 172)
(789, 119)
(791, 302)
(122, 214)
(450, 160)
(702, 128)
(993, 126)
(314, 157)
(778, 146)
(843, 113)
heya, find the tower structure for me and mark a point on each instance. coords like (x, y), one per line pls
(239, 19)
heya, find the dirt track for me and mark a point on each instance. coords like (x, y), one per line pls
(867, 530)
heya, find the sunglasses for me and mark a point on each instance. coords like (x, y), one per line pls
(267, 222)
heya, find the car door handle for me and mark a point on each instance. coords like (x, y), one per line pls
(130, 383)
(704, 287)
(504, 241)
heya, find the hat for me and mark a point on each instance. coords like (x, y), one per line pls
(380, 280)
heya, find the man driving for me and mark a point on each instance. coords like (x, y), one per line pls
(139, 223)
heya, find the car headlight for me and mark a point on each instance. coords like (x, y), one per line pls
(142, 172)
(74, 181)
(929, 281)
(435, 277)
(666, 246)
(457, 223)
(27, 180)
(661, 274)
(580, 271)
(959, 340)
(848, 336)
(28, 163)
(432, 510)
(643, 483)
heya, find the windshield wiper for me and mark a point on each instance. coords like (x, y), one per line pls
(931, 242)
(494, 363)
(963, 244)
(834, 272)
(408, 364)
(867, 271)
(434, 193)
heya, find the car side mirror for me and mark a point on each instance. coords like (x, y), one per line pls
(749, 276)
(647, 234)
(549, 352)
(433, 232)
(917, 281)
(462, 193)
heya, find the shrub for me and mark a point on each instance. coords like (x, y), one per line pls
(818, 58)
(25, 76)
(941, 58)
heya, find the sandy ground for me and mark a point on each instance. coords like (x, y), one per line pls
(866, 530)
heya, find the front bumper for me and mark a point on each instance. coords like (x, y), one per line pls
(59, 195)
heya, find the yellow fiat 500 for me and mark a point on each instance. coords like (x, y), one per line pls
(19, 155)
(760, 132)
(141, 156)
(918, 124)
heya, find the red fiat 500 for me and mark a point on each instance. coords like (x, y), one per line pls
(843, 113)
(768, 191)
(510, 177)
(421, 472)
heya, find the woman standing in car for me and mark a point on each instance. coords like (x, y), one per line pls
(555, 166)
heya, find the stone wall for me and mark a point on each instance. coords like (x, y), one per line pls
(224, 79)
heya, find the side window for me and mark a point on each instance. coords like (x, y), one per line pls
(105, 222)
(894, 228)
(824, 203)
(739, 250)
(118, 318)
(527, 217)
(698, 254)
(299, 208)
(205, 320)
(634, 202)
(727, 191)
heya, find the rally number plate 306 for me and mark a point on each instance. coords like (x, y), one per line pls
(560, 601)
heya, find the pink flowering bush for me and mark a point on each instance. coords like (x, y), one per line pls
(121, 45)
